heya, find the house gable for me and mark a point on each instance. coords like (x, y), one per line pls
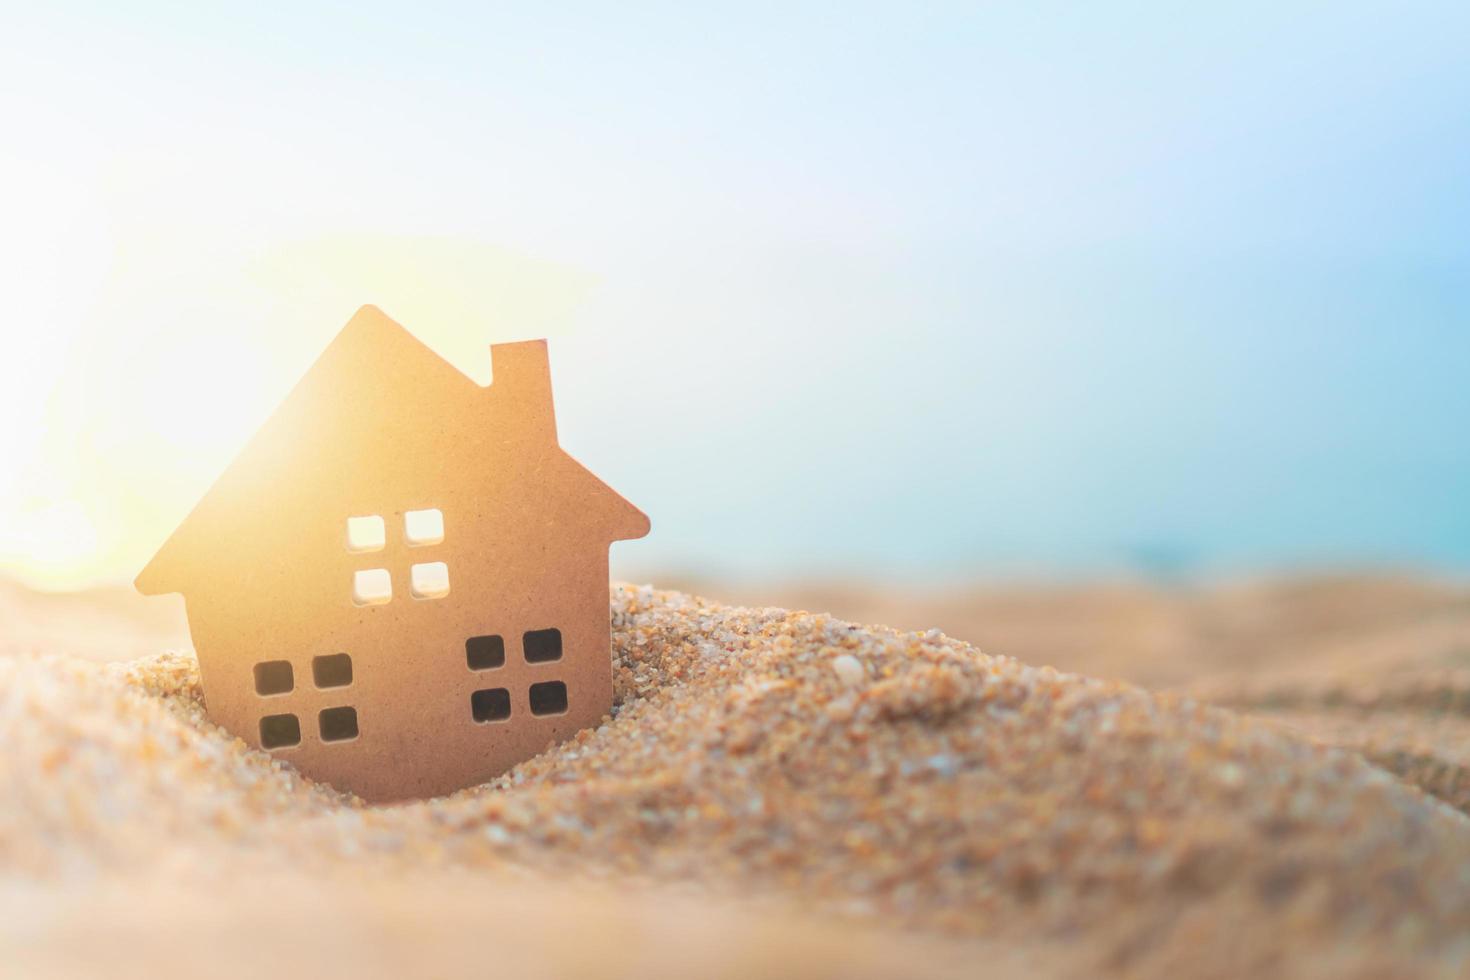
(380, 413)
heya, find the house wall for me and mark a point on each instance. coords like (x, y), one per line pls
(524, 551)
(412, 684)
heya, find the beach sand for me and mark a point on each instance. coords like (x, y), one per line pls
(1272, 787)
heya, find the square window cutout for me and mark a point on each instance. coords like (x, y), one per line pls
(548, 698)
(484, 652)
(542, 646)
(490, 705)
(429, 580)
(337, 724)
(371, 586)
(366, 533)
(332, 670)
(273, 677)
(423, 527)
(279, 731)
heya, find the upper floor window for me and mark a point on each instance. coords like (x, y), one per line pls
(366, 533)
(421, 528)
(371, 586)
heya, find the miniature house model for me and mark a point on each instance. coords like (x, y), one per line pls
(401, 584)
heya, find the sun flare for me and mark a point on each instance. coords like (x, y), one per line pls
(136, 398)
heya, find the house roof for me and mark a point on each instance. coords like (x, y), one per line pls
(372, 377)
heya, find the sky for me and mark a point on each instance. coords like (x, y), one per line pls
(897, 291)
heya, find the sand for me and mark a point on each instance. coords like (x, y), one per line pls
(775, 793)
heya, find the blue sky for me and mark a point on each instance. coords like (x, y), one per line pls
(885, 290)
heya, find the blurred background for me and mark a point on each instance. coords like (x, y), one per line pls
(900, 293)
(1129, 338)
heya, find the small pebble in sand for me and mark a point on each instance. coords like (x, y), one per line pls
(849, 669)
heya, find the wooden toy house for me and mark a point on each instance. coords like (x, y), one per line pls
(401, 583)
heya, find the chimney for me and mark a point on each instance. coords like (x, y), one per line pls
(522, 385)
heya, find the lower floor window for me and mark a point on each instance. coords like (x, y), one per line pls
(490, 704)
(548, 698)
(338, 724)
(279, 731)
